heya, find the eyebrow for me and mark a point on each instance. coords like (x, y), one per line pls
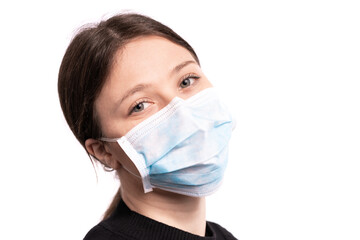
(182, 65)
(132, 91)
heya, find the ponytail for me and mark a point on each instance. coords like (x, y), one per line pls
(113, 204)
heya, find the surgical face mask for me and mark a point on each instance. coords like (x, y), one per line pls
(183, 148)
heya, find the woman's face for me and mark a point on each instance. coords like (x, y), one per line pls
(146, 75)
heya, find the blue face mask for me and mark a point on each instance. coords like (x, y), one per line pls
(183, 148)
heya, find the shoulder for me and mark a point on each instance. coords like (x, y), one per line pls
(103, 232)
(99, 232)
(220, 232)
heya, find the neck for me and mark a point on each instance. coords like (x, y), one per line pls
(183, 212)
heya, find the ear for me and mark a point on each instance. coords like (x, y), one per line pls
(99, 150)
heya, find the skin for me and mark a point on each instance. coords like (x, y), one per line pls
(147, 73)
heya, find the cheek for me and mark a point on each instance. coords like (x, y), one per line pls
(117, 129)
(128, 126)
(122, 127)
(118, 126)
(112, 125)
(205, 84)
(112, 128)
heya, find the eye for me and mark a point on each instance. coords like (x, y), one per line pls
(140, 106)
(187, 81)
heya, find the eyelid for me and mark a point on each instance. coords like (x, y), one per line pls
(190, 75)
(142, 100)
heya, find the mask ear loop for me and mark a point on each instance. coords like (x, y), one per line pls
(139, 177)
(109, 169)
(104, 139)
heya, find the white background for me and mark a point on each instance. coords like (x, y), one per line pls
(289, 70)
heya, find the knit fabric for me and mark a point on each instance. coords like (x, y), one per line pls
(125, 224)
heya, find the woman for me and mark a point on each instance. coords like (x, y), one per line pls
(134, 95)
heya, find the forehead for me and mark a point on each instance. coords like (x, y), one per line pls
(148, 55)
(143, 60)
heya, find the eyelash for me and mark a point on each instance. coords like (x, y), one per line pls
(191, 75)
(141, 101)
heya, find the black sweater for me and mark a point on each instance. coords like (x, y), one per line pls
(126, 224)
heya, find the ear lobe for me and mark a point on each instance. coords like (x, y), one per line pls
(98, 150)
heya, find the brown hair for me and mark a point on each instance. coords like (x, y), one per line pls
(87, 63)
